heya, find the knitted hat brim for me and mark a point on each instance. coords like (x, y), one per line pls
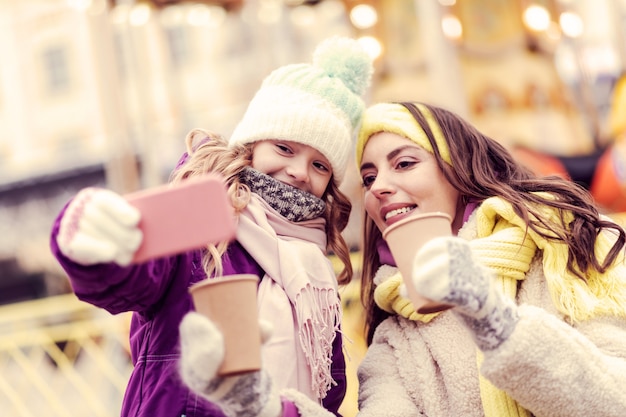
(297, 117)
(395, 118)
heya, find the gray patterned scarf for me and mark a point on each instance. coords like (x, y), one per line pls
(293, 204)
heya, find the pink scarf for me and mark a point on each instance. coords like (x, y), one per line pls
(298, 295)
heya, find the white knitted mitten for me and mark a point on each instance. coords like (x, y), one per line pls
(202, 352)
(445, 270)
(99, 226)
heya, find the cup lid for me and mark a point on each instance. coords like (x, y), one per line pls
(413, 217)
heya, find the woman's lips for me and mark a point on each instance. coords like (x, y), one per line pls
(398, 213)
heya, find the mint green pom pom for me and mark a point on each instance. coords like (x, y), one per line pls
(346, 59)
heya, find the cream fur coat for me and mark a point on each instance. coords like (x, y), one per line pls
(548, 366)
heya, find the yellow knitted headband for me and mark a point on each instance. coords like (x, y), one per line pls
(395, 118)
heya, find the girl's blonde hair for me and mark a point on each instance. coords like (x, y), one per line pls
(210, 152)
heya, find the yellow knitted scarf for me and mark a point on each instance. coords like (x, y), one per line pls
(602, 294)
(505, 246)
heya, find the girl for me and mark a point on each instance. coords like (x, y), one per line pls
(282, 166)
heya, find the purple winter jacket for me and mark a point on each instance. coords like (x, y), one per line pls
(156, 293)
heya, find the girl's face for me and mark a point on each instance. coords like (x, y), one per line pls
(292, 163)
(400, 177)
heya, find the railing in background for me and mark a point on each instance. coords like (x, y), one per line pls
(62, 357)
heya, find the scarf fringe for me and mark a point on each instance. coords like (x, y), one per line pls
(316, 337)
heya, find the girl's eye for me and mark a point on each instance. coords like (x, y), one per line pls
(320, 166)
(284, 148)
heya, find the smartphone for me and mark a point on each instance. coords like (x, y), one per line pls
(179, 217)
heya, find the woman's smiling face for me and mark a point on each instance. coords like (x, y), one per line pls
(400, 177)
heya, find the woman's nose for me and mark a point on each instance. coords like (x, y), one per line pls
(382, 185)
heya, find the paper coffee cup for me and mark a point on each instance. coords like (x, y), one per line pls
(405, 238)
(230, 302)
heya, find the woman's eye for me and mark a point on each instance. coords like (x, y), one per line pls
(368, 180)
(404, 164)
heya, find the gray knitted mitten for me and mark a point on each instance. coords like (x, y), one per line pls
(202, 352)
(445, 270)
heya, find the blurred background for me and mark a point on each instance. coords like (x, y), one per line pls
(103, 92)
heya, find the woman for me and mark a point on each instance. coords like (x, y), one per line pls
(534, 273)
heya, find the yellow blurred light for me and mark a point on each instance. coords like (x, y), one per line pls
(80, 5)
(139, 14)
(571, 24)
(371, 45)
(452, 27)
(363, 16)
(537, 18)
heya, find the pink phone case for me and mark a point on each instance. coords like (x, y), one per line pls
(181, 217)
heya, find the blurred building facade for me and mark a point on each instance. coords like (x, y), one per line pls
(96, 92)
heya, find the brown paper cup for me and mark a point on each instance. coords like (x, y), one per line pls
(231, 303)
(405, 238)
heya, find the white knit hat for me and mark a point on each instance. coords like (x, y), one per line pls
(318, 104)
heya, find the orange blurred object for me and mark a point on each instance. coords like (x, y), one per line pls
(608, 186)
(539, 163)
